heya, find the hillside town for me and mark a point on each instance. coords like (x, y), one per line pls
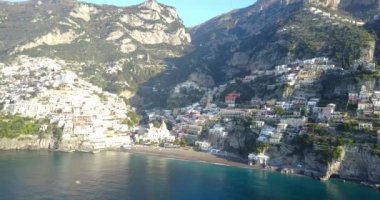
(43, 88)
(92, 119)
(211, 123)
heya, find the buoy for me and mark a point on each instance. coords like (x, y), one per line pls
(77, 182)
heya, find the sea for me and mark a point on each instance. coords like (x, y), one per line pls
(39, 175)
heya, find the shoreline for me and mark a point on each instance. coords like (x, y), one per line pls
(183, 154)
(208, 158)
(190, 155)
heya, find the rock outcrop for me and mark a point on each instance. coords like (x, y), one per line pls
(31, 142)
(354, 164)
(333, 4)
(334, 166)
(360, 165)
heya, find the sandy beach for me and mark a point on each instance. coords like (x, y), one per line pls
(189, 154)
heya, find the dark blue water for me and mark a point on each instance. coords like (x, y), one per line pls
(118, 175)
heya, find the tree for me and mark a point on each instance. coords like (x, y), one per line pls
(183, 143)
(314, 127)
(280, 111)
(304, 112)
(262, 147)
(57, 132)
(169, 125)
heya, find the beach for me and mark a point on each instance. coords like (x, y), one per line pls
(189, 154)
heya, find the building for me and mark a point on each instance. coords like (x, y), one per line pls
(269, 135)
(191, 139)
(295, 122)
(353, 98)
(280, 69)
(249, 78)
(275, 138)
(233, 113)
(193, 129)
(230, 99)
(324, 113)
(338, 116)
(158, 134)
(364, 94)
(258, 124)
(281, 127)
(365, 126)
(376, 102)
(365, 108)
(284, 105)
(219, 131)
(258, 159)
(203, 146)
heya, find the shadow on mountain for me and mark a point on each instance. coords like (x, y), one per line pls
(253, 38)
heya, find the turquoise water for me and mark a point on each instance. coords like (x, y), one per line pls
(120, 175)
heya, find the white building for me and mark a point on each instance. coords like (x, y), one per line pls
(269, 135)
(218, 130)
(365, 126)
(324, 113)
(258, 124)
(260, 159)
(203, 146)
(158, 134)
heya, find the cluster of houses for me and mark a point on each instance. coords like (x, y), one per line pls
(299, 110)
(42, 88)
(367, 101)
(334, 18)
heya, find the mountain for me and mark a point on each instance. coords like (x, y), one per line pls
(116, 48)
(147, 48)
(275, 32)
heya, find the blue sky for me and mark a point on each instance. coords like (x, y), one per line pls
(193, 12)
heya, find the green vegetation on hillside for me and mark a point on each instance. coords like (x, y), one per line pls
(341, 42)
(14, 126)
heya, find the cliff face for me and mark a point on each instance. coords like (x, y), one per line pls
(333, 4)
(360, 165)
(26, 143)
(354, 164)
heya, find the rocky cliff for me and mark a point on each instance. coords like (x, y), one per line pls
(353, 164)
(360, 165)
(31, 142)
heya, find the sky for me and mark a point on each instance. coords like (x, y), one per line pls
(192, 12)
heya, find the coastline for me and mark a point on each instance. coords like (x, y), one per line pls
(205, 157)
(188, 154)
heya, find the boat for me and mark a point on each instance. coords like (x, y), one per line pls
(95, 151)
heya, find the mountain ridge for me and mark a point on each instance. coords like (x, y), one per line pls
(135, 39)
(270, 33)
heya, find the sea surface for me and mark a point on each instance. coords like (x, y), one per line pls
(120, 175)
